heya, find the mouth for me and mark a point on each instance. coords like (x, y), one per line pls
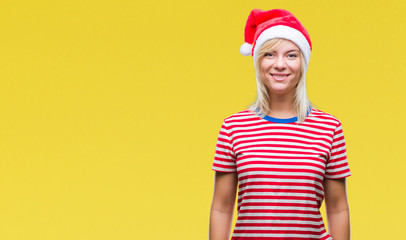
(280, 76)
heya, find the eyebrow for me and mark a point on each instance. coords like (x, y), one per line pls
(292, 50)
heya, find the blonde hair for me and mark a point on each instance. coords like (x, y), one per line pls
(301, 102)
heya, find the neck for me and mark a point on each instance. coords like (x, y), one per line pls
(282, 106)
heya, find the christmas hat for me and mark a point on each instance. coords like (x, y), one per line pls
(276, 23)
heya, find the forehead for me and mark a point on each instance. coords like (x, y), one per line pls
(283, 45)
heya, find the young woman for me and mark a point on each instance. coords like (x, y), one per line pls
(284, 155)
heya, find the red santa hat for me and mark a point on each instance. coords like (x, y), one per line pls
(276, 23)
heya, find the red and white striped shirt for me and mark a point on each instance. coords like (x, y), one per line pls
(281, 165)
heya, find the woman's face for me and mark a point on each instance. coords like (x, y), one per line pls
(280, 68)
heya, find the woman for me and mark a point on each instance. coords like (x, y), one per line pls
(284, 155)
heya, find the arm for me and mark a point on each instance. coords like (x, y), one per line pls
(337, 210)
(222, 207)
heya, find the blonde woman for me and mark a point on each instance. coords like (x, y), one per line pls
(284, 155)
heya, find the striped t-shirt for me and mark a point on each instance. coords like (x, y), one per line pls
(281, 165)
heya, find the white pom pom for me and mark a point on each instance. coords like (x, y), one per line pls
(246, 49)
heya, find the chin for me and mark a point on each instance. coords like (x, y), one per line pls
(281, 91)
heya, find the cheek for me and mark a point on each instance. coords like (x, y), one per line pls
(298, 76)
(263, 69)
(296, 68)
(262, 66)
(266, 63)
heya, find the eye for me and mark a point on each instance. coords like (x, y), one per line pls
(268, 54)
(292, 55)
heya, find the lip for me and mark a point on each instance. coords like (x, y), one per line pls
(285, 76)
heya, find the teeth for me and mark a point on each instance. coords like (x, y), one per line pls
(279, 76)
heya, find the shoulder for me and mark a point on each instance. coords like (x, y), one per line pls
(240, 118)
(324, 117)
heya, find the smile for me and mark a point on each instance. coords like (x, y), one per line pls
(280, 77)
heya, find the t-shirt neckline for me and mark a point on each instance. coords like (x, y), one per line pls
(283, 120)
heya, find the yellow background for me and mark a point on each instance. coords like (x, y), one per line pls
(110, 111)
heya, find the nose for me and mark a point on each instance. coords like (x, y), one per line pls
(280, 63)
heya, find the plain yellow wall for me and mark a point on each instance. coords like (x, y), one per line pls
(110, 111)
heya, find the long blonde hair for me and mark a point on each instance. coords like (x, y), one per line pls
(263, 102)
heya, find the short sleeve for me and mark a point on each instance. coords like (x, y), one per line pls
(224, 158)
(337, 164)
